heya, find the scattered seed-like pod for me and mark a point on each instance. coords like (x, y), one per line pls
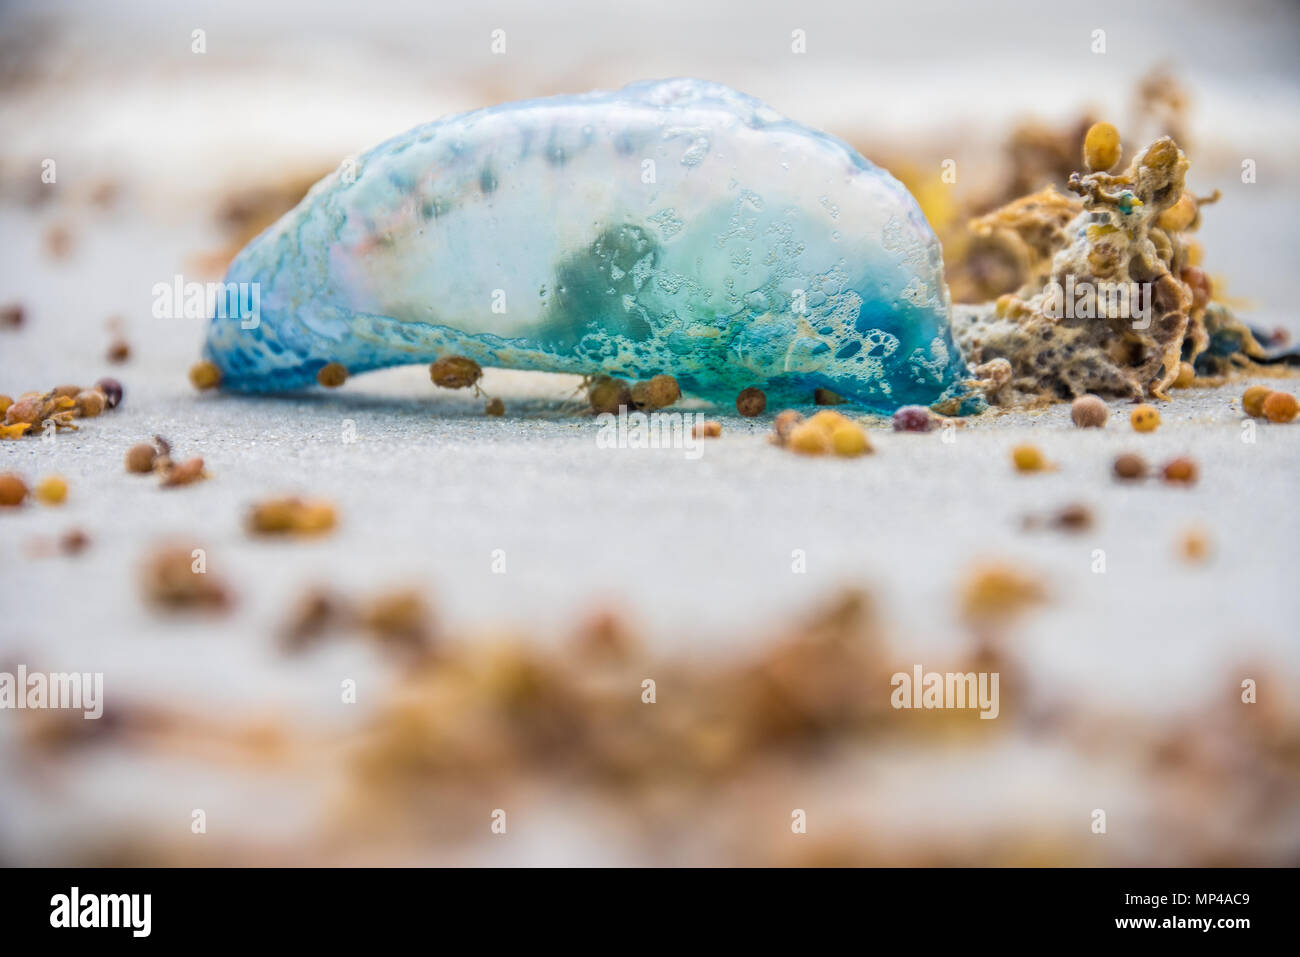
(90, 403)
(495, 407)
(608, 395)
(316, 612)
(52, 490)
(280, 516)
(708, 430)
(1145, 418)
(172, 582)
(1028, 458)
(996, 593)
(332, 375)
(455, 372)
(1130, 466)
(1089, 412)
(1181, 471)
(205, 375)
(399, 618)
(74, 541)
(140, 458)
(27, 410)
(658, 393)
(315, 518)
(809, 439)
(913, 418)
(1194, 545)
(184, 473)
(1252, 400)
(827, 420)
(12, 489)
(785, 423)
(1075, 517)
(1281, 407)
(119, 350)
(848, 440)
(11, 316)
(751, 402)
(5, 402)
(112, 390)
(273, 517)
(70, 391)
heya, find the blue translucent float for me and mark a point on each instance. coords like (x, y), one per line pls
(671, 227)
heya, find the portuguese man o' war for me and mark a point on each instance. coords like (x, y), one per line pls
(674, 227)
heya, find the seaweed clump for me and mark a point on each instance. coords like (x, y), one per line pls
(1113, 299)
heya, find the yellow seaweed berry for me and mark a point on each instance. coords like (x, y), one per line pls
(1028, 458)
(272, 517)
(1144, 418)
(5, 402)
(827, 420)
(849, 440)
(1281, 407)
(708, 430)
(1186, 376)
(1252, 400)
(1178, 216)
(205, 375)
(280, 516)
(1101, 147)
(332, 375)
(809, 439)
(314, 518)
(996, 593)
(52, 490)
